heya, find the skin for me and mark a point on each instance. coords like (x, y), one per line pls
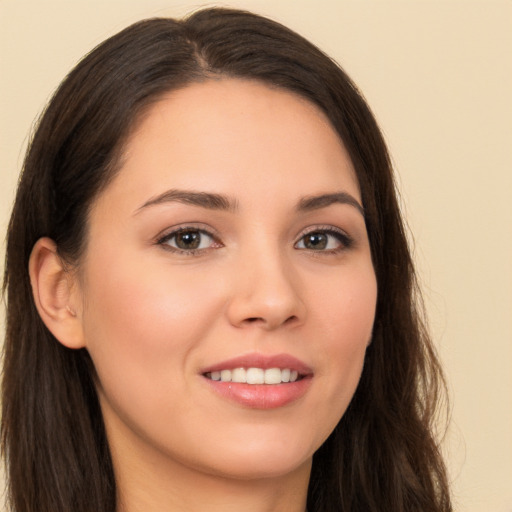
(152, 317)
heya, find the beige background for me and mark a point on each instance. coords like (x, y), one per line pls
(439, 78)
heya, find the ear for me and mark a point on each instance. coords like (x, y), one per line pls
(56, 294)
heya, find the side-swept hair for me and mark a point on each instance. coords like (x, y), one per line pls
(382, 456)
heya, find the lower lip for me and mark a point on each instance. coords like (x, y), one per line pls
(262, 396)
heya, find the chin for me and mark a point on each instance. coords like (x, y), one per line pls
(261, 460)
(259, 469)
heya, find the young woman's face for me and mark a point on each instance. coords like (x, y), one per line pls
(230, 245)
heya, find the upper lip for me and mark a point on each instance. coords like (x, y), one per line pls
(261, 361)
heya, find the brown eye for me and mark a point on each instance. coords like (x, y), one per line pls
(187, 240)
(327, 240)
(316, 241)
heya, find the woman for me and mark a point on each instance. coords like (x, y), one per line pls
(220, 306)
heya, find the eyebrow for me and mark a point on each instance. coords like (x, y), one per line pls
(206, 200)
(310, 203)
(212, 201)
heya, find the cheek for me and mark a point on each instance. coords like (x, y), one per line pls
(151, 300)
(141, 323)
(346, 307)
(346, 312)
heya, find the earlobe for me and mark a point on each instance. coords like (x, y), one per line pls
(55, 294)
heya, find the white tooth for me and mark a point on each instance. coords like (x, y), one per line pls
(238, 375)
(215, 375)
(273, 376)
(293, 375)
(225, 375)
(255, 376)
(285, 375)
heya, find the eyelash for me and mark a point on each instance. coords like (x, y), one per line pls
(345, 241)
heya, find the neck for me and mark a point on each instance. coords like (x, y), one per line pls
(185, 490)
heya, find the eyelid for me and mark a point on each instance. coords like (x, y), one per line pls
(199, 226)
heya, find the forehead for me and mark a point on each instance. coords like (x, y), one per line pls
(235, 136)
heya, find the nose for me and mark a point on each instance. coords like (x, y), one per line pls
(266, 292)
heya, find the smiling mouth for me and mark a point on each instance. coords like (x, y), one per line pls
(255, 375)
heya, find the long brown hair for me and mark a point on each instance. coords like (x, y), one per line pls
(382, 456)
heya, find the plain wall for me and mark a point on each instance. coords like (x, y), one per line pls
(438, 76)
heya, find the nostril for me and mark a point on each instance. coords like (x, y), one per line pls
(254, 319)
(258, 319)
